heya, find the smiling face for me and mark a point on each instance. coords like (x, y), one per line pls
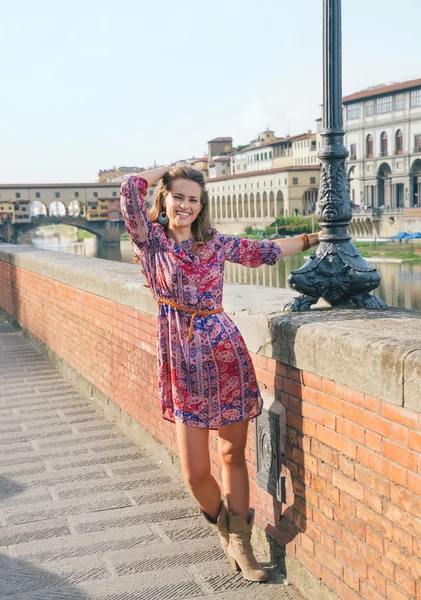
(182, 204)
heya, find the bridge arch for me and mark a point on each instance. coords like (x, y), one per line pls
(57, 209)
(76, 209)
(38, 208)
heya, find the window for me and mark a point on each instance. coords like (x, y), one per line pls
(383, 144)
(312, 180)
(95, 194)
(57, 194)
(399, 142)
(294, 180)
(353, 152)
(76, 194)
(261, 156)
(17, 195)
(285, 182)
(369, 108)
(223, 171)
(399, 101)
(384, 104)
(353, 111)
(266, 155)
(417, 143)
(257, 185)
(114, 194)
(37, 195)
(416, 98)
(270, 154)
(369, 144)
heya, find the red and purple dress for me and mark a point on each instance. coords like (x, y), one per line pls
(210, 380)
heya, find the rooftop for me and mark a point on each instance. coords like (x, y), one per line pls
(315, 168)
(380, 90)
(221, 139)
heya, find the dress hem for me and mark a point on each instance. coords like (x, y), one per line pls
(253, 416)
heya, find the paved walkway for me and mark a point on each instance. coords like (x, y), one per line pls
(87, 514)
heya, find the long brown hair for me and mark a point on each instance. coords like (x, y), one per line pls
(201, 226)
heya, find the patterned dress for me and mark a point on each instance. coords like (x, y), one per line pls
(208, 381)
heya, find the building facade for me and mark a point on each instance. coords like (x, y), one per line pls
(383, 126)
(260, 197)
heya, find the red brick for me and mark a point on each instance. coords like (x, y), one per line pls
(311, 380)
(399, 434)
(349, 448)
(350, 430)
(329, 579)
(314, 413)
(330, 403)
(373, 461)
(373, 404)
(406, 521)
(375, 541)
(327, 491)
(376, 580)
(328, 437)
(309, 395)
(373, 441)
(328, 386)
(400, 455)
(402, 539)
(368, 593)
(308, 561)
(372, 480)
(405, 583)
(351, 487)
(374, 520)
(347, 503)
(414, 483)
(349, 394)
(373, 500)
(400, 415)
(403, 560)
(398, 474)
(394, 593)
(414, 441)
(329, 420)
(350, 541)
(345, 593)
(328, 560)
(379, 425)
(351, 412)
(351, 579)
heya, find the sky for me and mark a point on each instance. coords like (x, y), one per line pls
(89, 84)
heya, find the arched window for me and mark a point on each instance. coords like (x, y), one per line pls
(399, 142)
(369, 146)
(383, 144)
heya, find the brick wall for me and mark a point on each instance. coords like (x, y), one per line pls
(353, 462)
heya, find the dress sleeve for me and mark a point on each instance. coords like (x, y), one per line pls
(135, 211)
(250, 253)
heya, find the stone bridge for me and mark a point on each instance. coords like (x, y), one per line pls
(109, 232)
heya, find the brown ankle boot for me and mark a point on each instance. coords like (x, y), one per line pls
(240, 550)
(221, 526)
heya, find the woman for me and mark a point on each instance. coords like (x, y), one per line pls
(206, 377)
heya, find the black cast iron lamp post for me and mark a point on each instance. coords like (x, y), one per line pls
(336, 271)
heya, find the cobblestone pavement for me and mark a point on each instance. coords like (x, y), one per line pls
(85, 513)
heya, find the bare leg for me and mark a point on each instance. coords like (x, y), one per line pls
(193, 445)
(232, 443)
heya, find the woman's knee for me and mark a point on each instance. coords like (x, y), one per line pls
(232, 453)
(196, 475)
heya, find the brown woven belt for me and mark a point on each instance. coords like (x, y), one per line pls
(190, 311)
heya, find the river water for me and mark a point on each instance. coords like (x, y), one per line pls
(400, 285)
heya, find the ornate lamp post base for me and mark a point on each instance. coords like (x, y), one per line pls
(336, 271)
(338, 274)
